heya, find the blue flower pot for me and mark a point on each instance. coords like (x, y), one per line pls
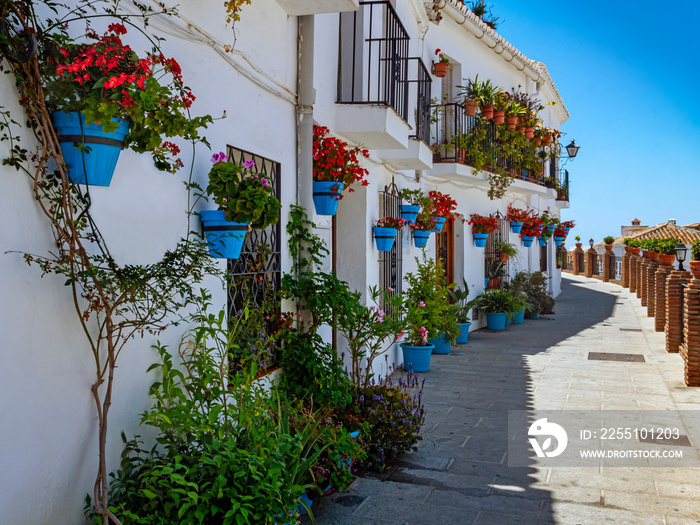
(496, 321)
(543, 242)
(300, 507)
(464, 333)
(507, 320)
(527, 241)
(225, 238)
(516, 226)
(384, 238)
(480, 239)
(420, 238)
(551, 227)
(441, 344)
(409, 212)
(519, 316)
(94, 167)
(416, 358)
(439, 223)
(486, 282)
(566, 232)
(534, 316)
(326, 195)
(558, 240)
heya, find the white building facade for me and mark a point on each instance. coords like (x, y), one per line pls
(367, 75)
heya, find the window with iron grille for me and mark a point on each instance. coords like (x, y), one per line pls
(492, 254)
(543, 258)
(254, 278)
(390, 273)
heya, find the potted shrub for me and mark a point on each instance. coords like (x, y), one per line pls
(649, 247)
(244, 199)
(421, 229)
(441, 208)
(441, 65)
(463, 308)
(506, 250)
(416, 201)
(534, 286)
(497, 305)
(517, 218)
(513, 112)
(336, 168)
(482, 226)
(609, 240)
(487, 99)
(471, 94)
(501, 103)
(667, 250)
(385, 230)
(695, 259)
(105, 98)
(628, 246)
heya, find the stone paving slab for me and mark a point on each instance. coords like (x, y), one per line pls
(459, 473)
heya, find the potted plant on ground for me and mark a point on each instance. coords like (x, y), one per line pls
(506, 250)
(421, 228)
(482, 226)
(497, 305)
(385, 230)
(463, 309)
(441, 208)
(417, 200)
(441, 65)
(244, 198)
(105, 98)
(517, 218)
(667, 250)
(609, 240)
(336, 168)
(493, 271)
(695, 259)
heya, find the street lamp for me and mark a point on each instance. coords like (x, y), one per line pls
(572, 149)
(681, 251)
(591, 242)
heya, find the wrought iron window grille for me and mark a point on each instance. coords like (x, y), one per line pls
(491, 252)
(390, 263)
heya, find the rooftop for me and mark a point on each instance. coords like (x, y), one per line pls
(687, 235)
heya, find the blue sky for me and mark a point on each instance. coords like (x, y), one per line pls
(628, 74)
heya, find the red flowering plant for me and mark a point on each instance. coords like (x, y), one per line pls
(568, 224)
(442, 205)
(390, 222)
(334, 160)
(423, 222)
(483, 223)
(105, 79)
(532, 226)
(516, 214)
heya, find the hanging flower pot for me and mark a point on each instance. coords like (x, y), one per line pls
(542, 241)
(420, 238)
(416, 358)
(480, 239)
(537, 141)
(384, 237)
(551, 227)
(516, 226)
(527, 240)
(499, 117)
(441, 344)
(511, 122)
(96, 166)
(441, 69)
(487, 112)
(439, 223)
(529, 133)
(558, 240)
(225, 238)
(470, 107)
(326, 195)
(546, 140)
(409, 212)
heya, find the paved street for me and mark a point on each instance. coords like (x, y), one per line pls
(459, 474)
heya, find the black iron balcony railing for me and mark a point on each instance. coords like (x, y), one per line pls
(373, 57)
(423, 83)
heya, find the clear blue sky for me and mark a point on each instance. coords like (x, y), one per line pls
(628, 74)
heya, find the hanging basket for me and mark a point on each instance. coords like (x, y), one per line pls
(558, 240)
(543, 242)
(225, 238)
(326, 195)
(439, 223)
(409, 212)
(94, 166)
(384, 237)
(480, 239)
(515, 227)
(420, 238)
(441, 69)
(527, 240)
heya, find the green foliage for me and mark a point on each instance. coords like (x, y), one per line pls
(649, 245)
(633, 243)
(667, 245)
(415, 197)
(497, 301)
(306, 248)
(609, 239)
(578, 238)
(463, 306)
(507, 248)
(695, 251)
(534, 287)
(494, 268)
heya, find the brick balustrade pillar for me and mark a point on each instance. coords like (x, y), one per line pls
(578, 252)
(633, 272)
(643, 281)
(651, 287)
(626, 269)
(674, 309)
(660, 303)
(591, 255)
(638, 267)
(690, 350)
(608, 256)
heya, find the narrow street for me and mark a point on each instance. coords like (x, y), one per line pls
(460, 473)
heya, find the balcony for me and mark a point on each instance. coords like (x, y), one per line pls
(459, 141)
(379, 84)
(316, 7)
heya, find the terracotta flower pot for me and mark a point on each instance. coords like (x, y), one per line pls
(608, 246)
(503, 257)
(441, 69)
(499, 117)
(470, 107)
(636, 251)
(579, 244)
(521, 129)
(695, 268)
(667, 259)
(512, 122)
(546, 140)
(487, 112)
(537, 141)
(529, 133)
(654, 256)
(628, 249)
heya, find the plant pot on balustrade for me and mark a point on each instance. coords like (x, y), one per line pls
(628, 249)
(654, 256)
(470, 107)
(409, 212)
(420, 238)
(695, 268)
(416, 358)
(464, 333)
(96, 166)
(326, 195)
(440, 344)
(635, 251)
(667, 259)
(384, 237)
(225, 238)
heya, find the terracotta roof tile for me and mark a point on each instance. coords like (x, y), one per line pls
(663, 230)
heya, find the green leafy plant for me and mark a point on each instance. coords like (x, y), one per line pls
(667, 245)
(497, 301)
(695, 251)
(578, 238)
(244, 195)
(609, 239)
(462, 304)
(508, 248)
(415, 197)
(494, 268)
(534, 286)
